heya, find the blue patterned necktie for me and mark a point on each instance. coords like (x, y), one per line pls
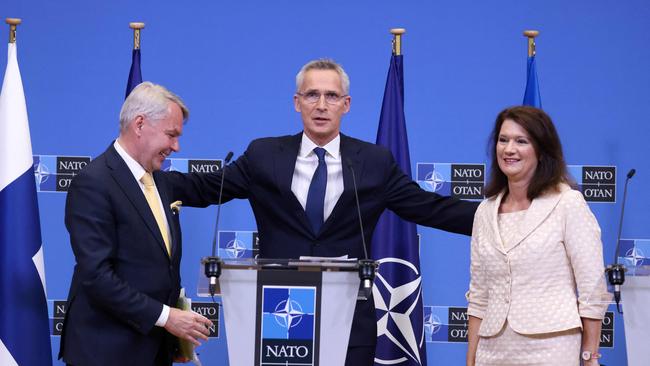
(316, 195)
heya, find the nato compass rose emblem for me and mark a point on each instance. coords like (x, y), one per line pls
(288, 313)
(434, 181)
(171, 165)
(396, 303)
(432, 324)
(635, 256)
(41, 173)
(235, 249)
(170, 168)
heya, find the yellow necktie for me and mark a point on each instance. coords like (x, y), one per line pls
(154, 204)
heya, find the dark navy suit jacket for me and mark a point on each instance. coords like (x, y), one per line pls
(123, 274)
(263, 175)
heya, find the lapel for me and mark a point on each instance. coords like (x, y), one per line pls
(127, 183)
(349, 158)
(493, 205)
(537, 213)
(284, 162)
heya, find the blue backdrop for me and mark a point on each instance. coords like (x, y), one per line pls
(234, 64)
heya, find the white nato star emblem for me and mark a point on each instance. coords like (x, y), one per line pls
(168, 167)
(432, 324)
(235, 249)
(396, 295)
(41, 173)
(635, 255)
(288, 313)
(434, 181)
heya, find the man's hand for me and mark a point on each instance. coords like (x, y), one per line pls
(188, 325)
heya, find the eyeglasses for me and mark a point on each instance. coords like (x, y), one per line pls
(313, 97)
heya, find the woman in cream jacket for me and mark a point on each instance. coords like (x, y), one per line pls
(537, 292)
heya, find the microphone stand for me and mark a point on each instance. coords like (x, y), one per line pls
(212, 264)
(616, 271)
(367, 266)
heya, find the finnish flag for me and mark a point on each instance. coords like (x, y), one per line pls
(24, 324)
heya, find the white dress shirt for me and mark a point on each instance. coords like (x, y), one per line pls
(138, 171)
(306, 165)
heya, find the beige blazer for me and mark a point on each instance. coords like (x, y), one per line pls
(532, 281)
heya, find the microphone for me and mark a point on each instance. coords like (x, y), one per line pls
(616, 271)
(367, 267)
(212, 264)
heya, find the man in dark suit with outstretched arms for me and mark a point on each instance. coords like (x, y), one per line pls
(301, 192)
(127, 244)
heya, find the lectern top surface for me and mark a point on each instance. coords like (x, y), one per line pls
(315, 263)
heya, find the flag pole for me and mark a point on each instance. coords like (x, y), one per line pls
(397, 40)
(135, 73)
(13, 23)
(531, 93)
(531, 34)
(136, 26)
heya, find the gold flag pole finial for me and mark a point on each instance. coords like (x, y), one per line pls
(531, 34)
(136, 26)
(397, 40)
(13, 23)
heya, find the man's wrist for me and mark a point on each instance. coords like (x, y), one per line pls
(164, 315)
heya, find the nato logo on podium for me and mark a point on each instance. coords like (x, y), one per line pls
(288, 325)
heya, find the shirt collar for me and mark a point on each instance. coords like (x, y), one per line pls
(136, 169)
(333, 147)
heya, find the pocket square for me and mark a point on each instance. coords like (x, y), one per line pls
(176, 206)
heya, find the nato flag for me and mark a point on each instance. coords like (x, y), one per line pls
(135, 74)
(397, 290)
(531, 96)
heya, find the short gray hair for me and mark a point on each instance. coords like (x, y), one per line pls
(324, 64)
(151, 101)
